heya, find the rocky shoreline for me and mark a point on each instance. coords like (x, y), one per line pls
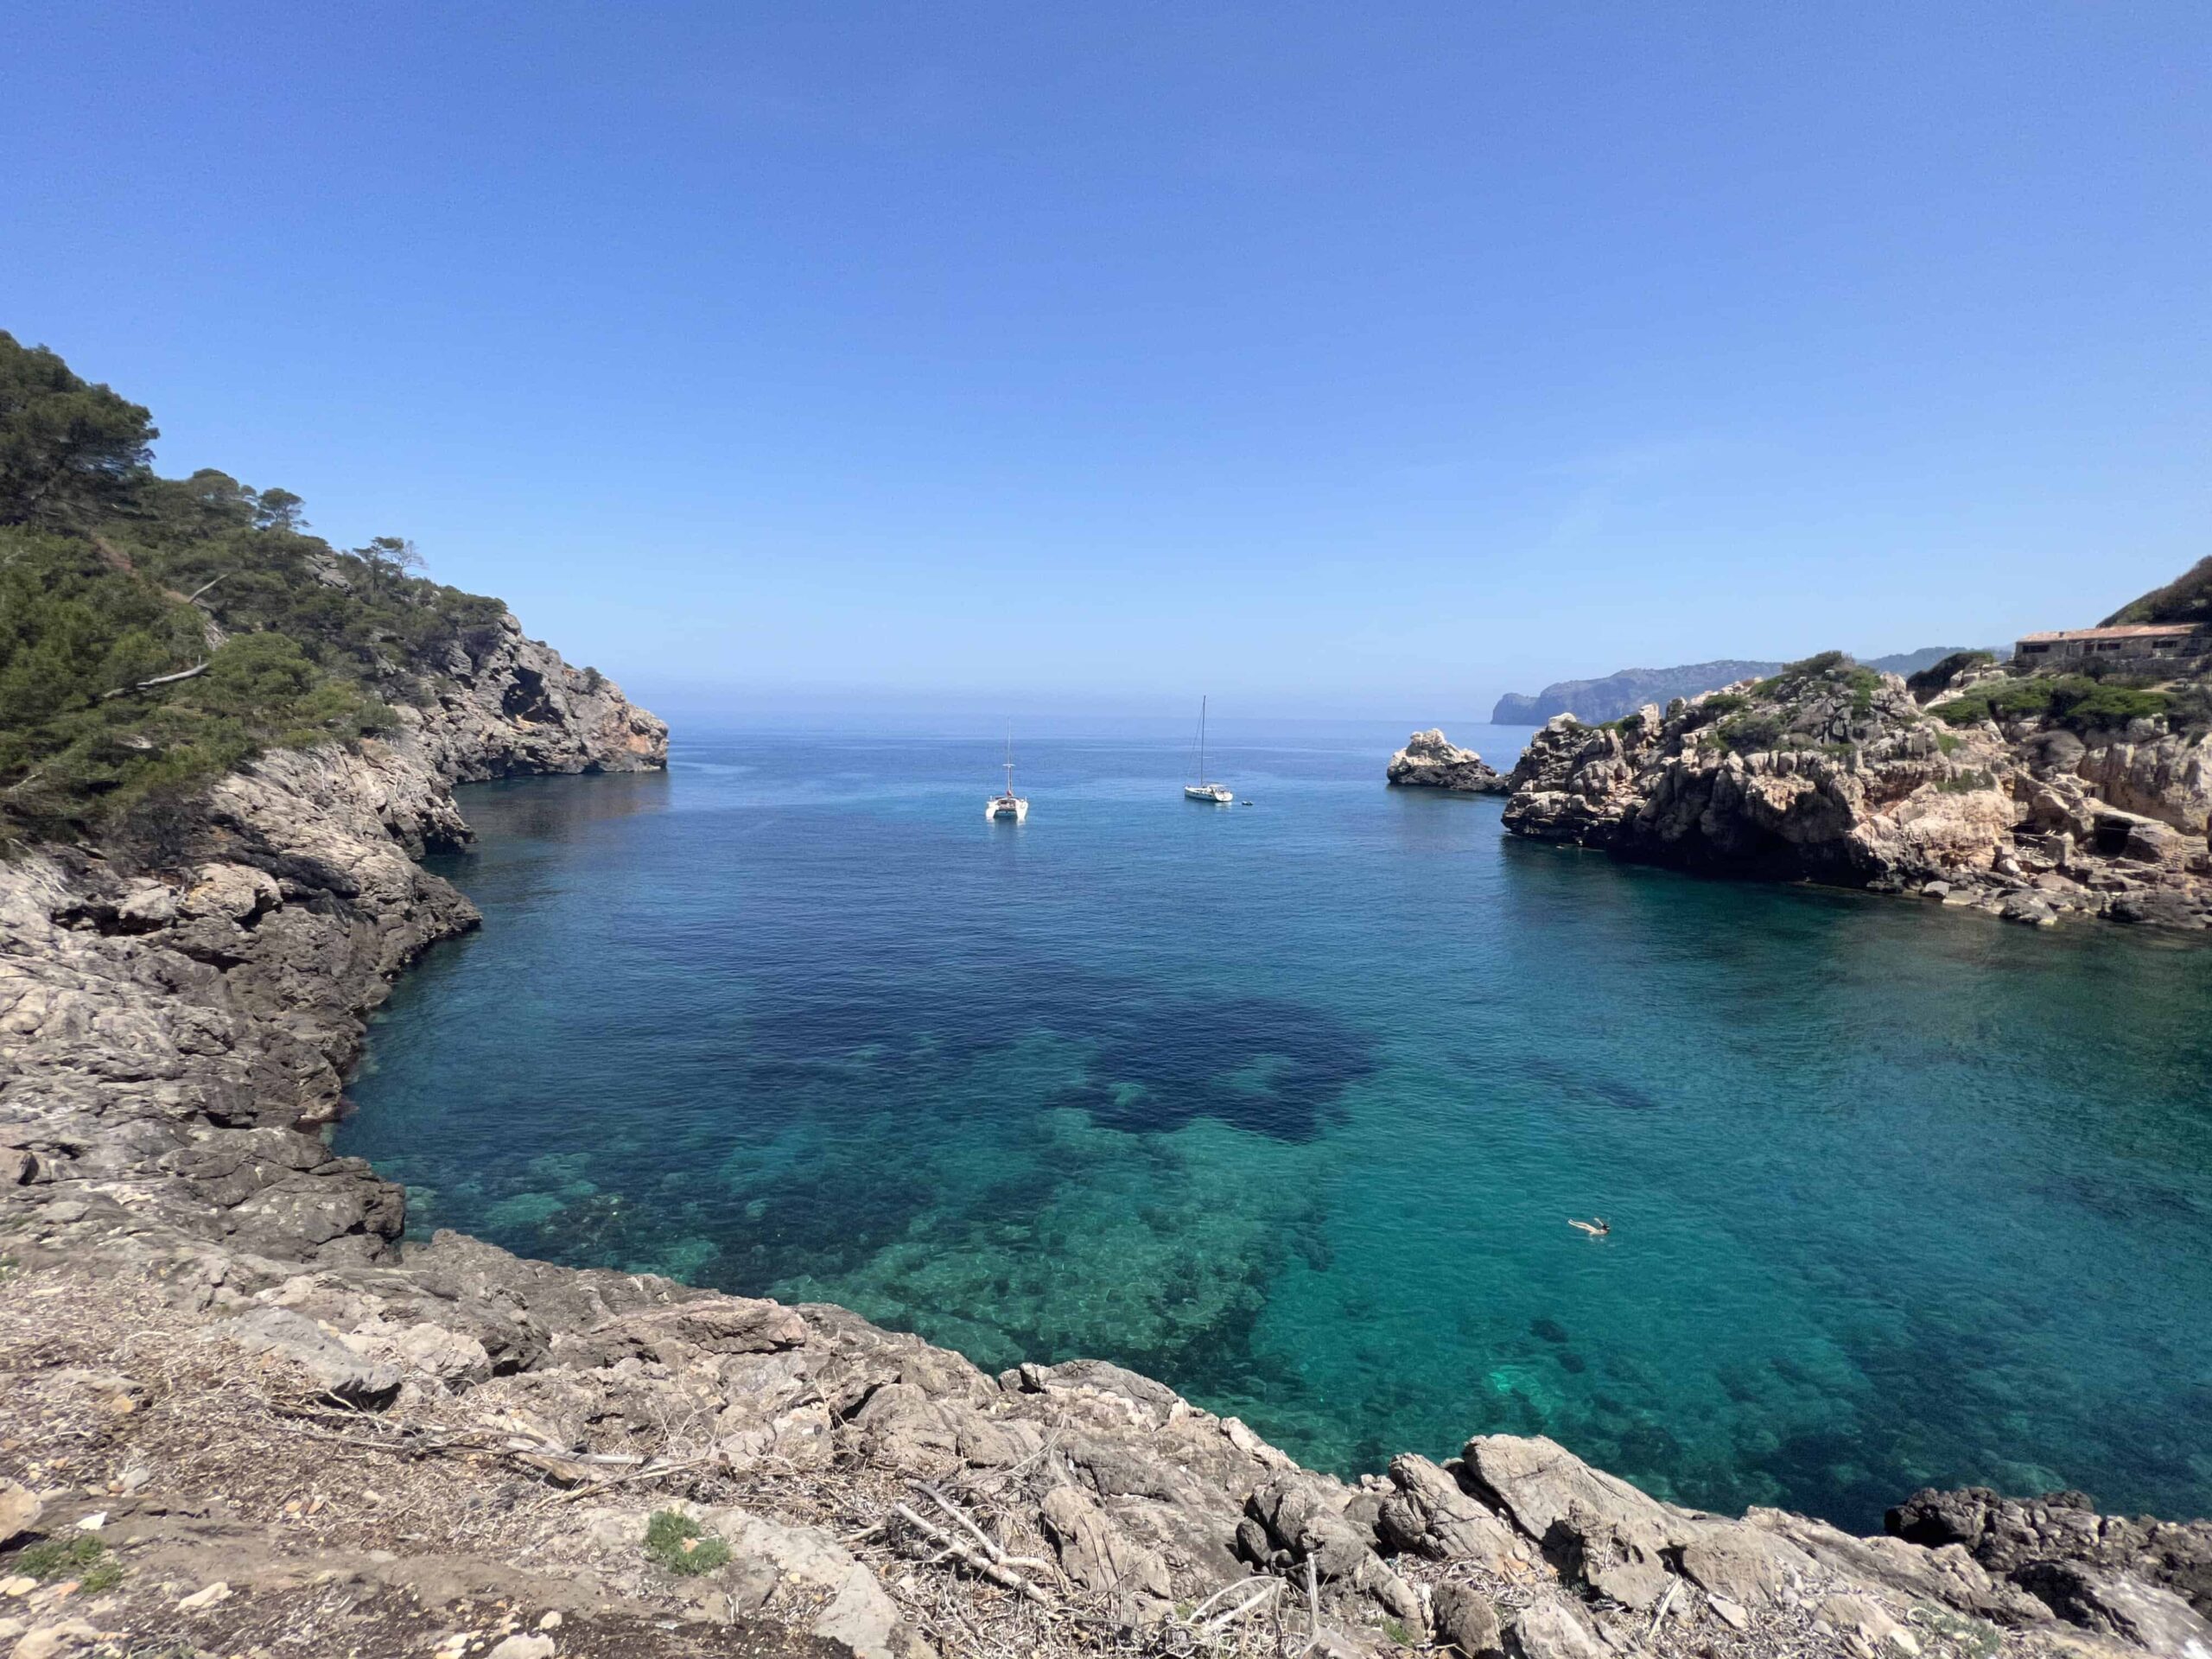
(1840, 775)
(242, 1416)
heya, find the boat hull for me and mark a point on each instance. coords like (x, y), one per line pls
(1007, 809)
(1211, 794)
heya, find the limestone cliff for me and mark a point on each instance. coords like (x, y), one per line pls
(231, 952)
(1832, 772)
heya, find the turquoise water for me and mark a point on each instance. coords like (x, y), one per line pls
(1288, 1105)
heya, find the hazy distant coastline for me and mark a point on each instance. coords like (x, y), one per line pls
(1629, 689)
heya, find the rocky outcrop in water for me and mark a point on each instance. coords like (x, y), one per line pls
(1832, 772)
(1429, 761)
(238, 1406)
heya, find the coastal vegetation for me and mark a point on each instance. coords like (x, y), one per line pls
(156, 632)
(2187, 598)
(1938, 677)
(680, 1545)
(2078, 701)
(1601, 701)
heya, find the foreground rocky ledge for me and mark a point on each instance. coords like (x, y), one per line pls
(237, 1416)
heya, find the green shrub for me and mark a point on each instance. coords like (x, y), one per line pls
(2071, 700)
(2110, 705)
(1719, 706)
(2189, 707)
(2188, 598)
(83, 1558)
(1795, 675)
(1933, 678)
(1820, 663)
(681, 1545)
(1748, 733)
(115, 585)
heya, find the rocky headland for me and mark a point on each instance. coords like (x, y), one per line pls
(1428, 761)
(2031, 798)
(1627, 690)
(245, 1414)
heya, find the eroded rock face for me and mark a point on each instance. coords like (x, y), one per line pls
(1837, 775)
(518, 710)
(1429, 761)
(2020, 1537)
(173, 1012)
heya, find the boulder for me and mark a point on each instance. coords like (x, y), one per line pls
(1552, 1629)
(1463, 1618)
(1742, 1564)
(711, 1325)
(1303, 1515)
(337, 1369)
(848, 1604)
(1430, 1514)
(19, 1510)
(1095, 1553)
(1865, 1623)
(1593, 1525)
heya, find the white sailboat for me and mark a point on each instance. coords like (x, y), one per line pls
(1213, 794)
(1006, 806)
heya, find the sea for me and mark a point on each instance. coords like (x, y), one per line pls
(1289, 1105)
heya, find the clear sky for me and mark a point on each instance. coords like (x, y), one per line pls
(1368, 360)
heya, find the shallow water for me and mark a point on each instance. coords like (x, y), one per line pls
(1289, 1104)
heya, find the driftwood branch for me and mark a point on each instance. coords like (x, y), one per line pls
(194, 672)
(1665, 1602)
(991, 1546)
(1265, 1593)
(983, 1563)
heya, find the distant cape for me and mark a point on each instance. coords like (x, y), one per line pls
(1624, 692)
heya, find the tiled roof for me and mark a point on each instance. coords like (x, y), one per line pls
(2130, 631)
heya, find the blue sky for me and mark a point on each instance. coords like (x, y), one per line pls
(1350, 359)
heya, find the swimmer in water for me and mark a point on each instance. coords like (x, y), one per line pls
(1597, 1226)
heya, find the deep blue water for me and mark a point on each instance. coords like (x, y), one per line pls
(1288, 1105)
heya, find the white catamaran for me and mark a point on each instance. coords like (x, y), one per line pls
(1215, 794)
(1006, 806)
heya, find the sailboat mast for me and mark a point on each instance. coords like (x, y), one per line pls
(1201, 739)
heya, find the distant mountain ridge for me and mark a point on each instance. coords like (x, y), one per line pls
(1624, 692)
